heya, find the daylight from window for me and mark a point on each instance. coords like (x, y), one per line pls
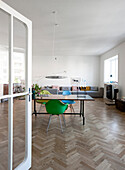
(18, 67)
(111, 70)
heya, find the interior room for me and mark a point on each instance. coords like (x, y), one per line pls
(62, 85)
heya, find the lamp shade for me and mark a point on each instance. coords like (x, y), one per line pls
(55, 77)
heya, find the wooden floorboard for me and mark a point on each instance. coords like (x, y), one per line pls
(100, 144)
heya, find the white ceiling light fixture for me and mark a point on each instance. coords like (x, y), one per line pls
(57, 76)
(53, 50)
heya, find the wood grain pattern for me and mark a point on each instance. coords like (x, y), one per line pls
(100, 144)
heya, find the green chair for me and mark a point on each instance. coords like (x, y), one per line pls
(56, 107)
(43, 102)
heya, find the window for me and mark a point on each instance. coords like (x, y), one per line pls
(18, 66)
(4, 66)
(111, 70)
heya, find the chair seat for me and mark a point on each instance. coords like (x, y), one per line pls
(42, 101)
(68, 101)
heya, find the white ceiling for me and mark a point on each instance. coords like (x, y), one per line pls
(86, 27)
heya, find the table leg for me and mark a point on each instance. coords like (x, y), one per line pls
(80, 108)
(35, 108)
(83, 112)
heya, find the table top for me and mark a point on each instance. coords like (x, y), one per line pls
(68, 97)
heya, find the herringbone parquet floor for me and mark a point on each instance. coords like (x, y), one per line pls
(100, 144)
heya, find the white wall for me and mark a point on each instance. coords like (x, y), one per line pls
(120, 50)
(86, 67)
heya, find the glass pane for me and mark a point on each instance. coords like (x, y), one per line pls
(116, 70)
(106, 71)
(4, 53)
(4, 134)
(111, 69)
(19, 131)
(19, 55)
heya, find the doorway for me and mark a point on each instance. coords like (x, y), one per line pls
(15, 79)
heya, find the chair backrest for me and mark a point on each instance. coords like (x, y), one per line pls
(66, 93)
(45, 92)
(55, 107)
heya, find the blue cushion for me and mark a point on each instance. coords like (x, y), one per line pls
(94, 88)
(66, 88)
(69, 101)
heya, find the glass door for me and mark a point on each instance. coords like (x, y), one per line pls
(15, 85)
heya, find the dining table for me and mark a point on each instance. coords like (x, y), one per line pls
(81, 98)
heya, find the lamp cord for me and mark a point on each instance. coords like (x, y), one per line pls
(54, 33)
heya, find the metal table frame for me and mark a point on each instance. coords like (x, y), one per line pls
(82, 112)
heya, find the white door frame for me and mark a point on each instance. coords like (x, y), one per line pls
(26, 164)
